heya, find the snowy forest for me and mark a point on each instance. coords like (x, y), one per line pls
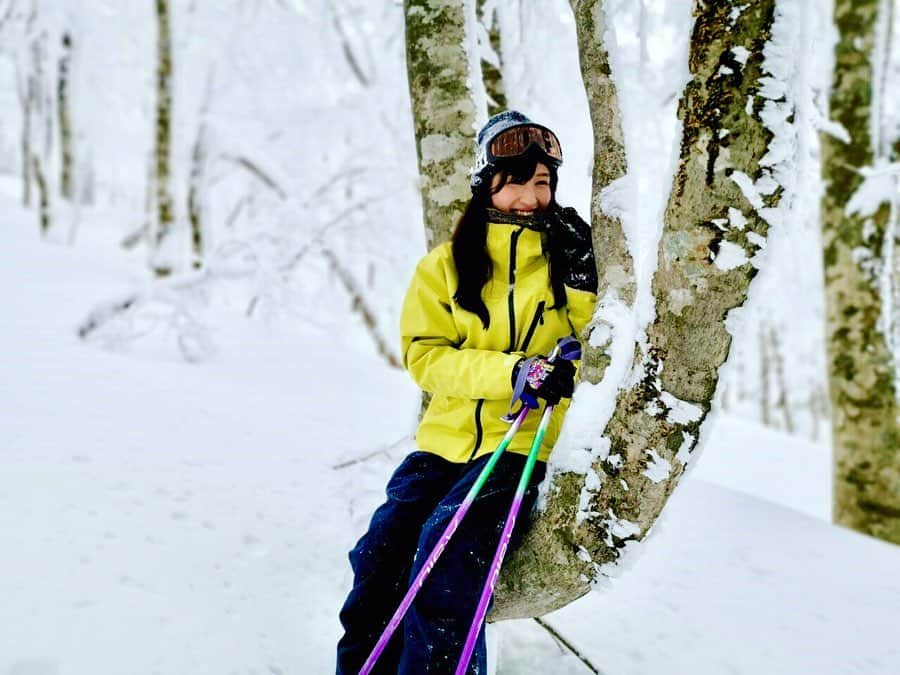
(211, 214)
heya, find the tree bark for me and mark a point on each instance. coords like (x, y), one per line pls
(444, 113)
(66, 185)
(195, 208)
(164, 213)
(44, 218)
(866, 432)
(27, 95)
(591, 520)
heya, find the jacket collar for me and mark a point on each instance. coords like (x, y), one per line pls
(505, 240)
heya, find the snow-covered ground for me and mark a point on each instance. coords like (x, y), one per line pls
(161, 517)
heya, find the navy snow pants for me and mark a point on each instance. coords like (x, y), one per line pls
(422, 496)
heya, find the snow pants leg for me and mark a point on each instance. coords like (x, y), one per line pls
(422, 496)
(382, 559)
(437, 624)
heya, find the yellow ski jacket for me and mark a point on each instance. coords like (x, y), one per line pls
(468, 368)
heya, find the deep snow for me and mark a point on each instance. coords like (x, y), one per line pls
(161, 517)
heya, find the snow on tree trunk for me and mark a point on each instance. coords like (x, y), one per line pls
(855, 217)
(713, 226)
(164, 213)
(439, 59)
(614, 264)
(492, 59)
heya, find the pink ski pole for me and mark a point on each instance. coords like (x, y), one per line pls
(441, 545)
(571, 352)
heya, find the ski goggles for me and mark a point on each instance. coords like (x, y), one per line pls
(515, 141)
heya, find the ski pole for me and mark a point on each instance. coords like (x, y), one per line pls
(494, 571)
(441, 545)
(565, 347)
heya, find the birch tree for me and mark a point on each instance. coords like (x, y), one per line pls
(163, 215)
(64, 113)
(444, 112)
(859, 232)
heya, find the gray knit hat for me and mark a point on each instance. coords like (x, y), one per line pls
(484, 167)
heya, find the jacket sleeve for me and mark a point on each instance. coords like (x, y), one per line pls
(430, 340)
(581, 306)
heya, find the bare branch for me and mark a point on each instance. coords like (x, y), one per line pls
(362, 307)
(257, 171)
(385, 450)
(347, 48)
(568, 645)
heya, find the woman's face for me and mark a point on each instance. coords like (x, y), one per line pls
(526, 198)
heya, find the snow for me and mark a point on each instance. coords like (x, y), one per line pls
(174, 517)
(160, 516)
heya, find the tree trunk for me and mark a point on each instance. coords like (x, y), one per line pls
(65, 119)
(196, 189)
(862, 377)
(27, 99)
(492, 71)
(444, 114)
(40, 128)
(44, 219)
(703, 272)
(164, 213)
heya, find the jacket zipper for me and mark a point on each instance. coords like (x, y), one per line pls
(510, 300)
(538, 316)
(478, 429)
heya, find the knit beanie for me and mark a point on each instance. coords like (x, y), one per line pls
(484, 168)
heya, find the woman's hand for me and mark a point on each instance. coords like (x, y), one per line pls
(539, 378)
(571, 237)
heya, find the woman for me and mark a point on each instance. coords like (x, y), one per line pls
(518, 275)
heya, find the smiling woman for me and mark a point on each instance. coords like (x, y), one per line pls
(518, 275)
(523, 199)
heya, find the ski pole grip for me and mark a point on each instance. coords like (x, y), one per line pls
(567, 348)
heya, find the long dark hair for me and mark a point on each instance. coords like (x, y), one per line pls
(469, 241)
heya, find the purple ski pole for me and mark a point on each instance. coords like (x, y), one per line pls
(494, 571)
(441, 545)
(572, 352)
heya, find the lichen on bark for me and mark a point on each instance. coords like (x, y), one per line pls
(866, 431)
(443, 111)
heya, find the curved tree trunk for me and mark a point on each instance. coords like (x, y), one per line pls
(864, 401)
(703, 272)
(444, 114)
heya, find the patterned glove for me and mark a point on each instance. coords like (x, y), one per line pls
(571, 239)
(536, 377)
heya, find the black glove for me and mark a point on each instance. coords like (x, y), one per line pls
(572, 247)
(542, 379)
